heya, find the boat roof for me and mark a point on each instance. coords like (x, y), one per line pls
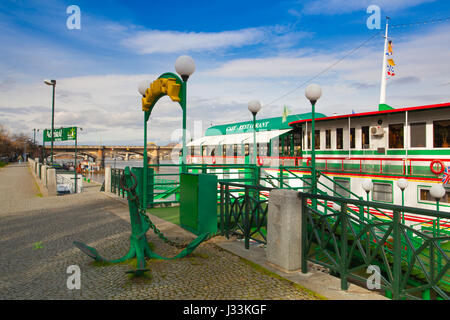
(374, 113)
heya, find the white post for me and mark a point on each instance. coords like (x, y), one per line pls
(51, 182)
(284, 226)
(108, 179)
(383, 72)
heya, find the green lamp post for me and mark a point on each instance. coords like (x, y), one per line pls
(313, 92)
(402, 184)
(437, 192)
(167, 84)
(367, 185)
(254, 106)
(53, 84)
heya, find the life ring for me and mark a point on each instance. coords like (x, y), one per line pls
(437, 171)
(308, 162)
(260, 162)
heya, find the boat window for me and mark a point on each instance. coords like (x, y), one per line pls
(425, 195)
(352, 138)
(396, 136)
(192, 151)
(317, 140)
(263, 149)
(297, 143)
(441, 132)
(365, 137)
(382, 192)
(418, 135)
(235, 150)
(328, 139)
(339, 191)
(309, 139)
(339, 138)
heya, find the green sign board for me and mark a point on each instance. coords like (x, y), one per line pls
(261, 125)
(62, 134)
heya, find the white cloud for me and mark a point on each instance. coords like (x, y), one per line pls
(157, 41)
(146, 42)
(330, 7)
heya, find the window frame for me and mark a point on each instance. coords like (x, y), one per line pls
(432, 202)
(327, 138)
(343, 179)
(368, 137)
(391, 183)
(390, 126)
(411, 137)
(342, 139)
(434, 134)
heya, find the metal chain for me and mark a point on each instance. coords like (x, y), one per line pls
(142, 212)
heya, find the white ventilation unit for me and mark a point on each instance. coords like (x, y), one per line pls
(376, 131)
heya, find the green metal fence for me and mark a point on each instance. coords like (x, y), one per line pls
(413, 264)
(116, 175)
(243, 211)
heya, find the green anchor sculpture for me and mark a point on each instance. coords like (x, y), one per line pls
(140, 224)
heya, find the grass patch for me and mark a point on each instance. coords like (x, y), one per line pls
(269, 273)
(169, 214)
(39, 194)
(96, 263)
(3, 164)
(146, 277)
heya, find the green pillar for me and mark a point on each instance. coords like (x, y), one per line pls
(145, 164)
(53, 120)
(313, 155)
(183, 106)
(75, 165)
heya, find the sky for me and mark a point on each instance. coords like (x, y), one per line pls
(243, 50)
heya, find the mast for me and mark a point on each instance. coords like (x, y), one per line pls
(383, 72)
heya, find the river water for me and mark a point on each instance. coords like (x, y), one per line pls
(121, 164)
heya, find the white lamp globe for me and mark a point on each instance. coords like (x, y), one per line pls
(367, 185)
(402, 183)
(437, 191)
(254, 106)
(313, 92)
(185, 66)
(142, 87)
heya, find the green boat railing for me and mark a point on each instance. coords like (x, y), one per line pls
(413, 264)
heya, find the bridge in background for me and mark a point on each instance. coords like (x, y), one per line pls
(99, 153)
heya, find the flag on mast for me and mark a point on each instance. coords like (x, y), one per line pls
(390, 62)
(390, 52)
(286, 112)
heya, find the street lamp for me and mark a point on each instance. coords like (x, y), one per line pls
(254, 106)
(75, 162)
(367, 185)
(53, 84)
(185, 67)
(437, 192)
(313, 92)
(402, 184)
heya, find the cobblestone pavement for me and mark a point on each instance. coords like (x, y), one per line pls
(36, 248)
